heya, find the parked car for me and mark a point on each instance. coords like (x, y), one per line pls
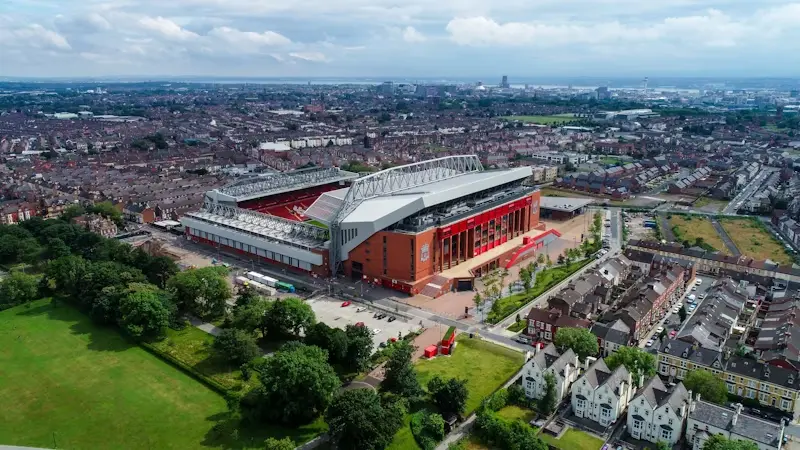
(698, 281)
(381, 316)
(659, 330)
(649, 343)
(673, 333)
(376, 331)
(346, 303)
(392, 319)
(361, 309)
(523, 339)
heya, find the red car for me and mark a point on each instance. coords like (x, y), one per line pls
(359, 324)
(672, 333)
(345, 304)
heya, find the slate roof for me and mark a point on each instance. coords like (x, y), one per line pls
(756, 429)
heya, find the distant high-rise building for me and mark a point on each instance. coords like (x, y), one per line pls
(794, 93)
(504, 84)
(387, 88)
(603, 93)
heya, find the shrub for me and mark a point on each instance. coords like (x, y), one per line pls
(427, 429)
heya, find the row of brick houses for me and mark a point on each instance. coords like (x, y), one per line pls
(618, 301)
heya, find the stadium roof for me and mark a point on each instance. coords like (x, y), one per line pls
(278, 183)
(412, 199)
(567, 204)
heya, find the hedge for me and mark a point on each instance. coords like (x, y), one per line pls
(189, 370)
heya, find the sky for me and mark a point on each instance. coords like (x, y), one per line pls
(411, 38)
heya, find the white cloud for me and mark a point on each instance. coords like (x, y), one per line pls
(35, 36)
(166, 28)
(234, 36)
(712, 28)
(98, 21)
(410, 34)
(309, 56)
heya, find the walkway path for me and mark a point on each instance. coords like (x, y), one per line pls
(725, 238)
(209, 328)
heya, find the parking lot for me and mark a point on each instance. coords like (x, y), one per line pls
(331, 312)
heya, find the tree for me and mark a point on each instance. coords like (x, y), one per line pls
(142, 311)
(357, 420)
(359, 347)
(56, 248)
(400, 377)
(297, 385)
(288, 317)
(251, 317)
(450, 396)
(101, 274)
(548, 262)
(682, 313)
(706, 384)
(236, 346)
(105, 308)
(560, 260)
(719, 442)
(18, 288)
(540, 259)
(663, 445)
(279, 444)
(547, 404)
(201, 291)
(478, 300)
(580, 340)
(160, 269)
(246, 296)
(67, 272)
(526, 276)
(109, 211)
(333, 340)
(637, 361)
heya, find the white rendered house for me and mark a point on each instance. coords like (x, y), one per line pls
(563, 367)
(657, 415)
(601, 395)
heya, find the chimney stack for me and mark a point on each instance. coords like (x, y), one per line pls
(736, 414)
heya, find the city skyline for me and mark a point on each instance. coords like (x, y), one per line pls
(355, 38)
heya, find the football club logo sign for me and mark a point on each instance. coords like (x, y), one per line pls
(424, 252)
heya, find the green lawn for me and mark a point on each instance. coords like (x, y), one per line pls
(513, 412)
(403, 439)
(193, 346)
(516, 327)
(485, 366)
(69, 384)
(543, 120)
(609, 160)
(689, 228)
(574, 440)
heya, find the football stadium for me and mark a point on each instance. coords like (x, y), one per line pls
(426, 227)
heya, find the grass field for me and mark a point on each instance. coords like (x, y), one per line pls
(69, 384)
(543, 120)
(689, 228)
(574, 439)
(754, 241)
(193, 346)
(710, 204)
(609, 160)
(513, 412)
(484, 365)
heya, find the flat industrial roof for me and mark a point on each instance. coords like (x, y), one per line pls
(567, 204)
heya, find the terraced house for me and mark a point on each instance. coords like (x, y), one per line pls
(770, 385)
(657, 414)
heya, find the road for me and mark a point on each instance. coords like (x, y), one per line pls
(673, 321)
(725, 238)
(748, 190)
